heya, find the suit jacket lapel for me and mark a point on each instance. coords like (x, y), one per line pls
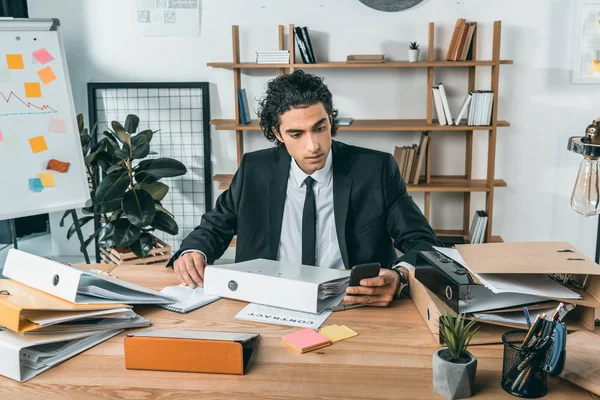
(276, 201)
(342, 186)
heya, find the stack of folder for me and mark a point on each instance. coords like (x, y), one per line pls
(50, 312)
(506, 285)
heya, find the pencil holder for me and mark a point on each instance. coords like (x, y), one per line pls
(523, 372)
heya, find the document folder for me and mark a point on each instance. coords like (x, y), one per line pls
(279, 284)
(190, 351)
(75, 285)
(24, 356)
(19, 301)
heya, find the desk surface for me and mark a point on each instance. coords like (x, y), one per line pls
(391, 358)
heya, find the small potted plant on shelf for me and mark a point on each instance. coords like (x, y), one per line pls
(454, 367)
(413, 52)
(128, 196)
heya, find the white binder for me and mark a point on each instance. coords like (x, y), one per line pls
(76, 285)
(21, 361)
(279, 284)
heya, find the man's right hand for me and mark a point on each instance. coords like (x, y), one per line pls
(189, 269)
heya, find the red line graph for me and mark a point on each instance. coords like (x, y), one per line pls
(28, 104)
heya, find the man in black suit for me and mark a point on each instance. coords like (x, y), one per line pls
(312, 200)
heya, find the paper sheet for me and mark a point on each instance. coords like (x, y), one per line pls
(282, 316)
(168, 17)
(516, 317)
(46, 75)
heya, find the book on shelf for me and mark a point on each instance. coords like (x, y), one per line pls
(460, 47)
(273, 57)
(422, 152)
(244, 108)
(365, 58)
(445, 105)
(481, 107)
(411, 159)
(439, 107)
(304, 45)
(478, 226)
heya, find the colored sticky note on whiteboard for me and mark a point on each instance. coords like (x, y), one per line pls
(57, 125)
(33, 89)
(46, 75)
(35, 184)
(15, 61)
(43, 56)
(38, 144)
(47, 179)
(1, 137)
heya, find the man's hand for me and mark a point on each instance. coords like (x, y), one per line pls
(189, 269)
(378, 291)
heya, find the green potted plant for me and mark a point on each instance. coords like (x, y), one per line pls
(128, 196)
(454, 367)
(413, 52)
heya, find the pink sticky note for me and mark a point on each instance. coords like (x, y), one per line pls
(57, 125)
(1, 137)
(43, 56)
(305, 340)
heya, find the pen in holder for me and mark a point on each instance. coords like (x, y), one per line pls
(524, 360)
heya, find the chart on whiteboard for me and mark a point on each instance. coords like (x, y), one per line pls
(168, 17)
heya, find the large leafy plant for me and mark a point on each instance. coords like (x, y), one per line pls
(128, 196)
(456, 333)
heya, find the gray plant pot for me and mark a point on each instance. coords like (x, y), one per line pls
(455, 381)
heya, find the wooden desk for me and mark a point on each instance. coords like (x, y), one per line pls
(390, 359)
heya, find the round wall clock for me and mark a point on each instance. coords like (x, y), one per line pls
(390, 5)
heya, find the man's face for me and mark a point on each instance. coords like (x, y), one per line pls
(306, 133)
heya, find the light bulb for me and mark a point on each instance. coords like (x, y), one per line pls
(586, 193)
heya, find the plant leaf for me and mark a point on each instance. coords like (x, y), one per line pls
(131, 123)
(142, 246)
(113, 168)
(105, 160)
(157, 190)
(73, 228)
(103, 208)
(125, 233)
(111, 187)
(143, 178)
(159, 207)
(62, 220)
(105, 236)
(122, 154)
(148, 133)
(138, 207)
(121, 133)
(141, 147)
(162, 167)
(164, 222)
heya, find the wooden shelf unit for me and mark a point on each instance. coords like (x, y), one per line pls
(431, 184)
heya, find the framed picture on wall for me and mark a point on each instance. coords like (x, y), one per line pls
(180, 112)
(586, 42)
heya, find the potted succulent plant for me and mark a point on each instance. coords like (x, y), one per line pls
(128, 196)
(413, 52)
(454, 367)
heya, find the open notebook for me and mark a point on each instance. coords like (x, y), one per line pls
(187, 299)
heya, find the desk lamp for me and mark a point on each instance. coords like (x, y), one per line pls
(586, 193)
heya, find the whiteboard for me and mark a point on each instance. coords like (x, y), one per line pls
(37, 122)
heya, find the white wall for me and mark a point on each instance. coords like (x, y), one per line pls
(535, 96)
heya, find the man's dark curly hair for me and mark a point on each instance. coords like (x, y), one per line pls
(286, 92)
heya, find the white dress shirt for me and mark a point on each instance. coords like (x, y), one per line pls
(290, 243)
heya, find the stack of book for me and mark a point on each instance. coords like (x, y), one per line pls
(273, 57)
(478, 103)
(365, 58)
(460, 48)
(477, 232)
(410, 159)
(304, 45)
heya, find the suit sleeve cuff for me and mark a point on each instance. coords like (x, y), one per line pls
(193, 250)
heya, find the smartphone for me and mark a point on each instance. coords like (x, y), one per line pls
(363, 271)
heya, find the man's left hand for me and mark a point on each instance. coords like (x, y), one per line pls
(378, 291)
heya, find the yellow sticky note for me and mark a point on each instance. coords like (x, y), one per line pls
(38, 144)
(33, 89)
(595, 66)
(335, 333)
(15, 61)
(47, 179)
(46, 75)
